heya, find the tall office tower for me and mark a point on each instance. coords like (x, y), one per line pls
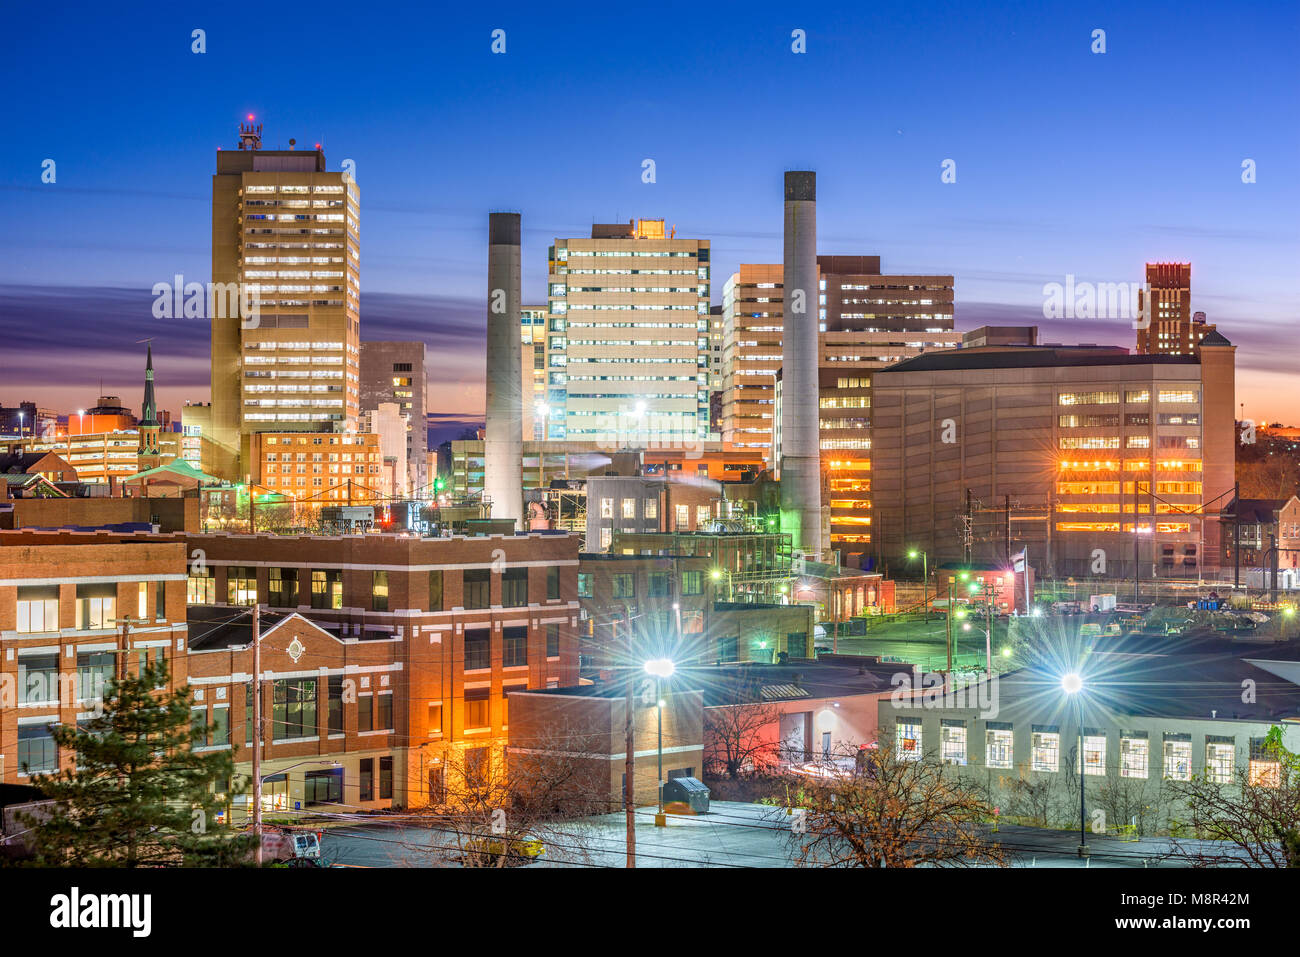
(286, 231)
(532, 339)
(1172, 329)
(503, 440)
(868, 321)
(627, 352)
(394, 372)
(800, 462)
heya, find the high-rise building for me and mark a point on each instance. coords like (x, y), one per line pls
(532, 327)
(1170, 328)
(394, 372)
(1060, 449)
(868, 321)
(627, 351)
(285, 235)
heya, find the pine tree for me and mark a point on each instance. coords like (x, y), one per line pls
(139, 795)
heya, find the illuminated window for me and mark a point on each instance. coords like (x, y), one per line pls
(952, 738)
(629, 508)
(1134, 755)
(907, 737)
(1094, 754)
(999, 744)
(38, 608)
(1265, 768)
(1045, 747)
(1219, 755)
(1178, 757)
(606, 508)
(1088, 398)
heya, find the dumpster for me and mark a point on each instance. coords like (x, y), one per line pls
(689, 791)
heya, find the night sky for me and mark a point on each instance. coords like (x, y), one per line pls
(1068, 162)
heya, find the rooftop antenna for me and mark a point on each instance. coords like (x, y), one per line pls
(250, 135)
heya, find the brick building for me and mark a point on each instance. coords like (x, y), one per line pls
(450, 625)
(75, 608)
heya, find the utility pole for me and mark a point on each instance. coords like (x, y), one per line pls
(1272, 566)
(257, 733)
(948, 619)
(1008, 528)
(1136, 540)
(970, 525)
(988, 634)
(122, 648)
(1236, 535)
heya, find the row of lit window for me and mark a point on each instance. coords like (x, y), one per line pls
(1134, 752)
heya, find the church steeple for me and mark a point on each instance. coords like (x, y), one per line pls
(149, 426)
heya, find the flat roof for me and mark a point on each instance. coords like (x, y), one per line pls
(1031, 357)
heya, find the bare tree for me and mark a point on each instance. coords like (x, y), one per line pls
(1254, 819)
(894, 811)
(741, 736)
(508, 805)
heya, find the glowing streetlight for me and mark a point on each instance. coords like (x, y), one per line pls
(1072, 684)
(661, 668)
(925, 578)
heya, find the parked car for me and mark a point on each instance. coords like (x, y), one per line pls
(518, 850)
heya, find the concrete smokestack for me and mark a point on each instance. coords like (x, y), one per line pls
(801, 499)
(503, 448)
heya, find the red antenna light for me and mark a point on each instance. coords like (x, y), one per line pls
(250, 117)
(318, 146)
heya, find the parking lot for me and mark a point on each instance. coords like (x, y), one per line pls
(731, 835)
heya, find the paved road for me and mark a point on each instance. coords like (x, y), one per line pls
(731, 835)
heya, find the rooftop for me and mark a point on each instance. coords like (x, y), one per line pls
(1197, 678)
(1031, 357)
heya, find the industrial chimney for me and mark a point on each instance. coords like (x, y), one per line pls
(503, 450)
(800, 448)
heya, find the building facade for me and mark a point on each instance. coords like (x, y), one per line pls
(394, 372)
(1057, 449)
(76, 610)
(285, 248)
(868, 320)
(1168, 326)
(627, 349)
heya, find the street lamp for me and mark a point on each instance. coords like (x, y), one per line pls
(925, 579)
(662, 669)
(1072, 684)
(988, 646)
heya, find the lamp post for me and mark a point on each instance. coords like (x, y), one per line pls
(1072, 684)
(661, 668)
(925, 579)
(988, 646)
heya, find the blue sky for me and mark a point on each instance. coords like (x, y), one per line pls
(1068, 162)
